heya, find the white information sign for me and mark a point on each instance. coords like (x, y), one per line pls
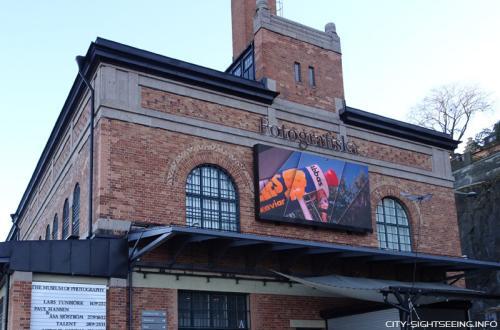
(65, 306)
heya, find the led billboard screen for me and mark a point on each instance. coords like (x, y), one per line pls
(304, 188)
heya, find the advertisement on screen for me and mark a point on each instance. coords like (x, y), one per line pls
(304, 188)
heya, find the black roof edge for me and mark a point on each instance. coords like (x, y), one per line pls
(374, 122)
(114, 52)
(103, 50)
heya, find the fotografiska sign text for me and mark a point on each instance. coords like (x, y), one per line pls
(327, 141)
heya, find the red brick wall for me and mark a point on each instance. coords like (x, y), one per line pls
(78, 173)
(375, 150)
(193, 108)
(438, 228)
(216, 113)
(19, 305)
(42, 207)
(242, 13)
(393, 154)
(154, 299)
(275, 55)
(274, 312)
(117, 308)
(148, 168)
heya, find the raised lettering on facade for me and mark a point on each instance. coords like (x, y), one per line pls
(329, 141)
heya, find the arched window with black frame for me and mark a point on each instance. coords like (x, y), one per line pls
(393, 228)
(47, 233)
(211, 199)
(55, 227)
(65, 224)
(75, 216)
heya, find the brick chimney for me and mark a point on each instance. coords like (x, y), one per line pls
(304, 64)
(242, 14)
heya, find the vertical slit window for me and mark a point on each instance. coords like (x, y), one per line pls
(312, 77)
(65, 227)
(75, 217)
(47, 233)
(211, 199)
(55, 227)
(296, 71)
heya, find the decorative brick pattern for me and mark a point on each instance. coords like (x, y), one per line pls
(393, 154)
(62, 156)
(81, 123)
(50, 205)
(193, 108)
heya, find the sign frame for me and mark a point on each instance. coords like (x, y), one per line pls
(297, 221)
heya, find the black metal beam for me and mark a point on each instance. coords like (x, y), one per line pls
(145, 233)
(150, 246)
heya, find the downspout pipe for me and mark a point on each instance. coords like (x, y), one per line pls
(7, 296)
(80, 60)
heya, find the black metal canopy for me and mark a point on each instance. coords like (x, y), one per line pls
(157, 236)
(101, 257)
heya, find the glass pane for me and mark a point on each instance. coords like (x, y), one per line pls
(248, 62)
(206, 310)
(211, 199)
(237, 71)
(184, 309)
(211, 214)
(193, 182)
(200, 310)
(209, 181)
(380, 209)
(388, 203)
(296, 68)
(193, 211)
(312, 78)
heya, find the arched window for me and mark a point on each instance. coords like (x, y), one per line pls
(392, 226)
(55, 227)
(211, 199)
(65, 224)
(47, 233)
(75, 217)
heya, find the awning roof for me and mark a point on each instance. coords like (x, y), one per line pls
(378, 290)
(156, 236)
(103, 257)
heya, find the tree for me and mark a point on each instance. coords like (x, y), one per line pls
(487, 132)
(484, 133)
(449, 108)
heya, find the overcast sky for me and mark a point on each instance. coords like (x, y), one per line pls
(394, 52)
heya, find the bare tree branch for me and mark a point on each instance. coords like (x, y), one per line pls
(450, 108)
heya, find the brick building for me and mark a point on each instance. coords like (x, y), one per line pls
(248, 199)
